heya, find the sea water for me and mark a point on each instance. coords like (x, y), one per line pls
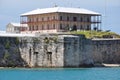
(60, 74)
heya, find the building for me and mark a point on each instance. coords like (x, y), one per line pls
(16, 27)
(61, 19)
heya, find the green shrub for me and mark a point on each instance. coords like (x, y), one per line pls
(6, 55)
(7, 45)
(17, 41)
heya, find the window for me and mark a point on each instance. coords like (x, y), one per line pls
(53, 17)
(81, 19)
(48, 18)
(88, 20)
(74, 28)
(49, 56)
(81, 27)
(74, 18)
(36, 19)
(36, 27)
(60, 26)
(88, 27)
(48, 27)
(33, 28)
(60, 18)
(67, 27)
(53, 26)
(30, 28)
(42, 19)
(29, 20)
(67, 18)
(42, 27)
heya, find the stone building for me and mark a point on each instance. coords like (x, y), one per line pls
(61, 19)
(16, 27)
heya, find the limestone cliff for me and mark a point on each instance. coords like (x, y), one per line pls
(10, 53)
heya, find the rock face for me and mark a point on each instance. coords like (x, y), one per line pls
(10, 53)
(58, 51)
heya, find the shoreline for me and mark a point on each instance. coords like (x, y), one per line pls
(103, 65)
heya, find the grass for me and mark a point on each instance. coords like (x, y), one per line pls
(96, 34)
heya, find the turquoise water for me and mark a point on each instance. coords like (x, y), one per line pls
(61, 74)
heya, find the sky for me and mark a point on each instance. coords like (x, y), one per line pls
(10, 10)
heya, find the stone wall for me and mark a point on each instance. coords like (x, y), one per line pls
(58, 51)
(43, 51)
(106, 51)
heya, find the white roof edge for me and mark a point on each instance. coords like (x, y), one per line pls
(60, 9)
(18, 24)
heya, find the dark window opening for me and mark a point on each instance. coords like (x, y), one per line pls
(53, 17)
(81, 19)
(36, 19)
(48, 18)
(48, 26)
(88, 27)
(53, 26)
(42, 19)
(30, 55)
(36, 55)
(36, 27)
(49, 56)
(33, 28)
(42, 27)
(60, 18)
(88, 19)
(74, 18)
(81, 27)
(67, 18)
(60, 26)
(74, 28)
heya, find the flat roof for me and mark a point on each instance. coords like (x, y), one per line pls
(60, 9)
(4, 34)
(18, 24)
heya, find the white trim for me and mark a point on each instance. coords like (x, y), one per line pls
(60, 9)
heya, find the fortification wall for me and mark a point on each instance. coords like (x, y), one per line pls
(106, 51)
(43, 51)
(58, 51)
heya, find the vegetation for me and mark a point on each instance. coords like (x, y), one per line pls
(97, 34)
(6, 55)
(17, 41)
(7, 45)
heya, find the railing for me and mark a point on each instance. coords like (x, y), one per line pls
(93, 21)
